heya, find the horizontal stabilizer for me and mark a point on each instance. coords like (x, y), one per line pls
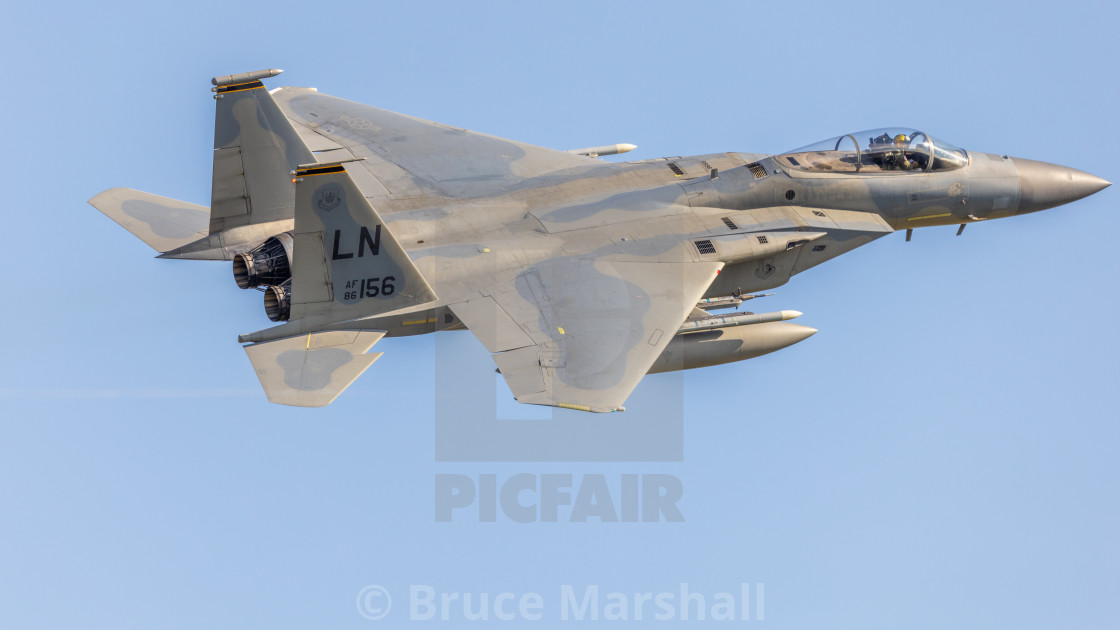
(312, 370)
(163, 223)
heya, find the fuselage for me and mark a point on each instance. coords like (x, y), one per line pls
(581, 276)
(641, 208)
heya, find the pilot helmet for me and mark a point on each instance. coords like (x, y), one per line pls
(901, 139)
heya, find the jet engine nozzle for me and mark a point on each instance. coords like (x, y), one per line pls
(1046, 185)
(278, 301)
(268, 264)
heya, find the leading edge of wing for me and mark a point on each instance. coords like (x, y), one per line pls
(432, 158)
(581, 333)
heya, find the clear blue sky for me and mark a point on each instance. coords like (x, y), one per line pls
(942, 453)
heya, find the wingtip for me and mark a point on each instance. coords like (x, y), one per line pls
(103, 194)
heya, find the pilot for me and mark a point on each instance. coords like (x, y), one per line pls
(897, 160)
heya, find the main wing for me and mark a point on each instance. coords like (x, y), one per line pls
(408, 157)
(580, 333)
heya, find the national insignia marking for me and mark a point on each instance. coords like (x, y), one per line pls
(328, 197)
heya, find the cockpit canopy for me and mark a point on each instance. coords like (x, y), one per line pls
(889, 151)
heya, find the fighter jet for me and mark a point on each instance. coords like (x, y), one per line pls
(579, 275)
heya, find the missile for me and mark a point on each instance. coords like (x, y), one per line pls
(741, 319)
(609, 149)
(727, 301)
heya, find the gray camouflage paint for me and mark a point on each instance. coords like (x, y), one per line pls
(486, 223)
(575, 272)
(160, 222)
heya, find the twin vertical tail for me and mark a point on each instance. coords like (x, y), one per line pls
(344, 263)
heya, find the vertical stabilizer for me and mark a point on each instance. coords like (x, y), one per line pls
(255, 149)
(347, 263)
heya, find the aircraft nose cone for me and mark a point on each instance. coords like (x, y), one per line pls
(1047, 185)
